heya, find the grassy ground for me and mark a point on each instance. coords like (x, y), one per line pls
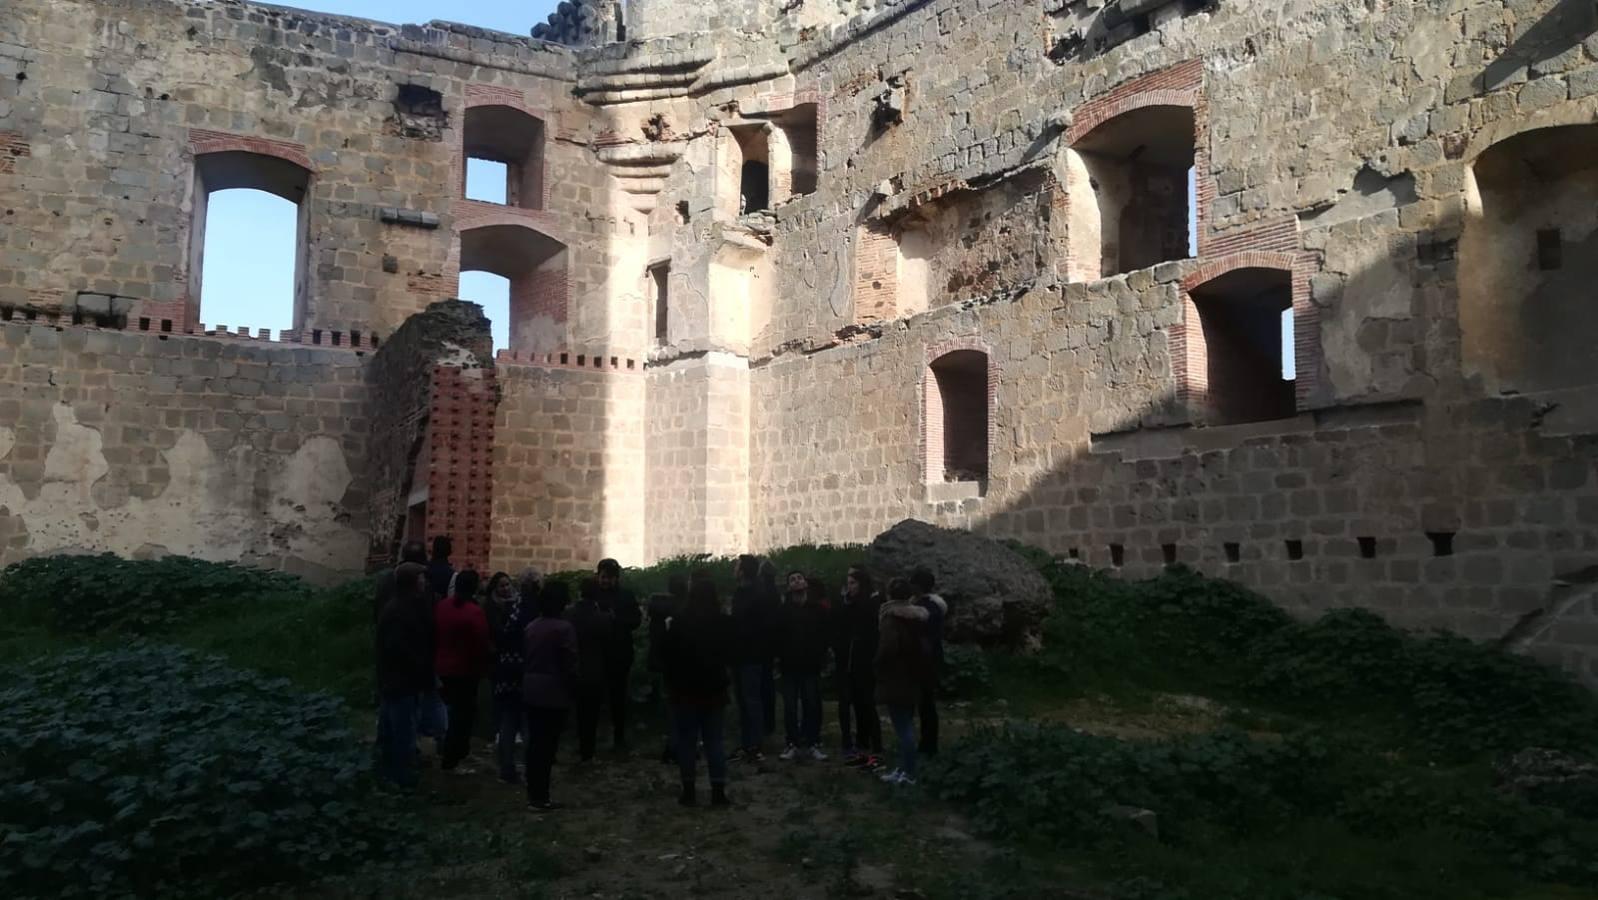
(820, 830)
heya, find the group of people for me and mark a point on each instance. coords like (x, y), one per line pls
(440, 632)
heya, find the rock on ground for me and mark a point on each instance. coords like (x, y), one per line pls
(995, 596)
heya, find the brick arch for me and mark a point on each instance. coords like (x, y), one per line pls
(933, 425)
(202, 142)
(1095, 113)
(1189, 352)
(537, 266)
(530, 181)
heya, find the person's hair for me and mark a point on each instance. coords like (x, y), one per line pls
(413, 552)
(589, 589)
(747, 568)
(677, 585)
(531, 581)
(702, 599)
(553, 598)
(900, 589)
(466, 582)
(923, 579)
(493, 583)
(442, 547)
(608, 566)
(407, 580)
(766, 575)
(863, 578)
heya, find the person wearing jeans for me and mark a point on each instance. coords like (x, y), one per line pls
(404, 649)
(802, 651)
(549, 688)
(461, 660)
(901, 666)
(508, 615)
(857, 661)
(752, 628)
(696, 650)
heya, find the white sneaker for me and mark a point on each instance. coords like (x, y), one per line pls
(788, 754)
(904, 780)
(817, 754)
(892, 777)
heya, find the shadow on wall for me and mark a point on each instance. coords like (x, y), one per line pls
(1565, 26)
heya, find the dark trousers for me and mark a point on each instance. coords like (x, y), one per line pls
(751, 728)
(841, 686)
(589, 698)
(863, 702)
(928, 711)
(801, 708)
(396, 735)
(695, 724)
(618, 695)
(768, 698)
(460, 698)
(543, 734)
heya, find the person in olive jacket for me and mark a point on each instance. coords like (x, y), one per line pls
(902, 667)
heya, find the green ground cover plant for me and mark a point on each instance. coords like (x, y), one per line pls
(151, 770)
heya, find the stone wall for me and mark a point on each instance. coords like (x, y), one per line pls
(142, 444)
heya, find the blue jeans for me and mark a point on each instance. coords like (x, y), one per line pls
(509, 721)
(904, 720)
(751, 726)
(701, 723)
(801, 708)
(397, 734)
(432, 716)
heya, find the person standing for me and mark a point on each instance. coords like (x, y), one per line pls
(771, 598)
(859, 615)
(661, 608)
(549, 687)
(625, 617)
(696, 651)
(440, 570)
(461, 660)
(937, 611)
(752, 636)
(593, 625)
(802, 652)
(404, 671)
(385, 589)
(901, 672)
(509, 611)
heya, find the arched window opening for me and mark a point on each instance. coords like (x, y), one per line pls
(1131, 190)
(957, 415)
(534, 265)
(492, 293)
(1246, 346)
(504, 157)
(744, 177)
(1528, 258)
(248, 241)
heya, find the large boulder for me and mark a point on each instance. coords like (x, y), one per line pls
(995, 597)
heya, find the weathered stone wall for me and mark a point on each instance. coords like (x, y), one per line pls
(697, 458)
(568, 464)
(142, 444)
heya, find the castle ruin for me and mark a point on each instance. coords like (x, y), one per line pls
(789, 271)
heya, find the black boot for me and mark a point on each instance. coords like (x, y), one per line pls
(687, 798)
(718, 795)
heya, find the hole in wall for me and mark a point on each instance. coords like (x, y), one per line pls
(1169, 552)
(1234, 551)
(1295, 549)
(1442, 542)
(1367, 548)
(1117, 555)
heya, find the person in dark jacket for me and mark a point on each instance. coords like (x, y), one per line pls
(752, 630)
(549, 687)
(508, 615)
(594, 642)
(404, 671)
(461, 659)
(803, 635)
(622, 607)
(661, 608)
(440, 570)
(902, 671)
(696, 651)
(859, 649)
(385, 589)
(771, 596)
(937, 609)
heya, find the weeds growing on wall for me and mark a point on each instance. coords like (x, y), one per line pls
(154, 771)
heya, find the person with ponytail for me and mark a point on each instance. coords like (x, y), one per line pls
(461, 659)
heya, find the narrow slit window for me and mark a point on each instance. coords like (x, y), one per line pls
(660, 288)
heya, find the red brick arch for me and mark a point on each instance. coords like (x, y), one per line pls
(932, 416)
(1189, 356)
(202, 141)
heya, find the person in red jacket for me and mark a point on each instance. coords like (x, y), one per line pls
(463, 650)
